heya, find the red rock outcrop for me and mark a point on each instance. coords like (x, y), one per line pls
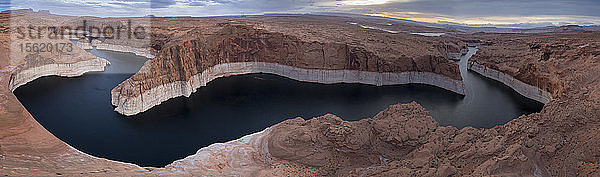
(403, 140)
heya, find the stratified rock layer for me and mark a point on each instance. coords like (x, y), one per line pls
(233, 48)
(566, 66)
(56, 69)
(26, 148)
(161, 93)
(121, 48)
(522, 88)
(84, 44)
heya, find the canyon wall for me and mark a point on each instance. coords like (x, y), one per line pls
(564, 66)
(144, 52)
(56, 69)
(71, 61)
(159, 94)
(120, 48)
(529, 91)
(114, 47)
(526, 63)
(84, 45)
(26, 147)
(240, 48)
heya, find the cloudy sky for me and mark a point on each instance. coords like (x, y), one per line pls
(473, 12)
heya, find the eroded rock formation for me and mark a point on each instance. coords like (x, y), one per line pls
(403, 140)
(26, 148)
(566, 66)
(240, 47)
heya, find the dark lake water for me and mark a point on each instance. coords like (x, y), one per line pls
(79, 112)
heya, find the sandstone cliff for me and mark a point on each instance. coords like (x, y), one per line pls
(26, 148)
(566, 66)
(186, 63)
(527, 58)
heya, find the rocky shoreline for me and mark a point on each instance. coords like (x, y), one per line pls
(243, 156)
(529, 91)
(188, 62)
(57, 69)
(84, 45)
(155, 96)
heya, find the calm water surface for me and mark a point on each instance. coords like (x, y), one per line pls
(79, 112)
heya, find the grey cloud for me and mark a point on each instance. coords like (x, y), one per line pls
(451, 8)
(256, 6)
(116, 3)
(80, 9)
(207, 2)
(151, 3)
(275, 5)
(4, 5)
(161, 3)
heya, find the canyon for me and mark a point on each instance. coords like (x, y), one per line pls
(233, 48)
(558, 69)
